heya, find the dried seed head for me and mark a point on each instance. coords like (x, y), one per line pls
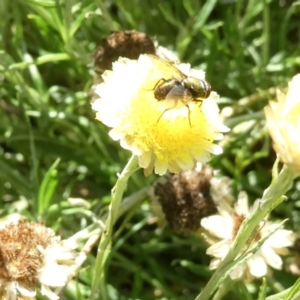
(128, 44)
(20, 258)
(185, 199)
(31, 254)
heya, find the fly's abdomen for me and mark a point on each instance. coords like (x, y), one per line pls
(198, 88)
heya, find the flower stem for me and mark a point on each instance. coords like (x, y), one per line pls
(93, 232)
(271, 198)
(225, 287)
(105, 242)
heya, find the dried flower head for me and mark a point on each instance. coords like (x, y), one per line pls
(222, 230)
(128, 43)
(164, 134)
(284, 124)
(31, 254)
(181, 201)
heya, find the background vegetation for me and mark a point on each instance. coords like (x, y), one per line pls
(247, 48)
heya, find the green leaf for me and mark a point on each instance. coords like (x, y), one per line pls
(45, 3)
(295, 290)
(204, 14)
(47, 188)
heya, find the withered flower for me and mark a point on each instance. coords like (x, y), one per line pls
(31, 255)
(181, 201)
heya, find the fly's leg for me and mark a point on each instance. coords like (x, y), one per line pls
(162, 114)
(158, 83)
(199, 101)
(189, 111)
(189, 115)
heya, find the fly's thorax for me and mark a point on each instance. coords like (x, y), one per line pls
(163, 87)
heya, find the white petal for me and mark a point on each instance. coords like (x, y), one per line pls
(45, 290)
(115, 134)
(257, 266)
(218, 226)
(160, 167)
(202, 157)
(271, 258)
(223, 128)
(25, 292)
(10, 291)
(145, 159)
(200, 74)
(219, 250)
(280, 238)
(214, 149)
(187, 164)
(219, 136)
(54, 275)
(184, 68)
(241, 207)
(238, 273)
(215, 262)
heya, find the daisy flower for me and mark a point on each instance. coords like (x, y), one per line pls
(222, 229)
(283, 123)
(164, 133)
(32, 255)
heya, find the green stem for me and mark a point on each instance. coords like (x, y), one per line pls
(105, 242)
(225, 287)
(271, 198)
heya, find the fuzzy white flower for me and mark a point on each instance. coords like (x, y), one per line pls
(283, 122)
(164, 134)
(222, 229)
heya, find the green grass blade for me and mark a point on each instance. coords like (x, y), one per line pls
(47, 188)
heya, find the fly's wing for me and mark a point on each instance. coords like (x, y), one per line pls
(165, 70)
(178, 97)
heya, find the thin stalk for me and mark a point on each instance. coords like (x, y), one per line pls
(225, 287)
(105, 242)
(94, 231)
